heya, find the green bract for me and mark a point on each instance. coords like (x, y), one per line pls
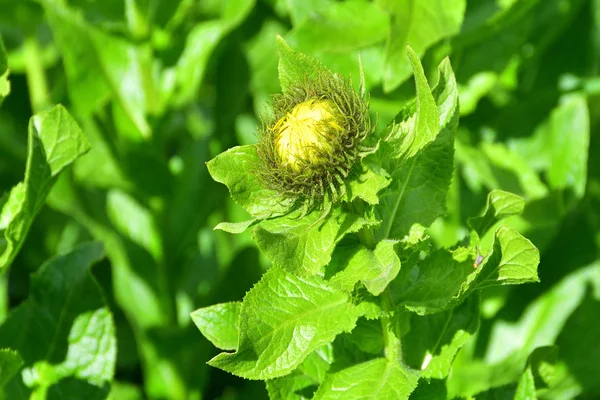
(312, 140)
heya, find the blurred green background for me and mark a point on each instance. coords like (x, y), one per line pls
(159, 87)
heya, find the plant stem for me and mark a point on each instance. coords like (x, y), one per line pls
(36, 76)
(392, 343)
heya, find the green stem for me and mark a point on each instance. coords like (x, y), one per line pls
(36, 76)
(392, 343)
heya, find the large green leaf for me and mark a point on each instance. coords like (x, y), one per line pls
(420, 24)
(444, 278)
(54, 142)
(418, 154)
(376, 379)
(64, 329)
(235, 169)
(304, 244)
(283, 319)
(335, 27)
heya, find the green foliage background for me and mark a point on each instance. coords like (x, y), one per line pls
(109, 224)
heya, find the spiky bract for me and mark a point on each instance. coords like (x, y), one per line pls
(312, 139)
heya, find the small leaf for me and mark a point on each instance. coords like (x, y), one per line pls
(283, 319)
(376, 379)
(54, 142)
(219, 324)
(500, 204)
(526, 387)
(374, 268)
(235, 169)
(367, 183)
(235, 227)
(514, 260)
(302, 245)
(294, 66)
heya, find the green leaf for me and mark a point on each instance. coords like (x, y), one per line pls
(54, 142)
(219, 324)
(420, 24)
(434, 340)
(374, 268)
(500, 204)
(334, 27)
(376, 379)
(234, 168)
(526, 387)
(304, 244)
(418, 154)
(4, 83)
(64, 329)
(514, 260)
(10, 364)
(91, 57)
(283, 319)
(444, 278)
(134, 221)
(295, 66)
(200, 45)
(367, 183)
(236, 227)
(305, 379)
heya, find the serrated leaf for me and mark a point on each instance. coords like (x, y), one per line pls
(283, 319)
(514, 260)
(295, 66)
(367, 183)
(434, 340)
(234, 168)
(444, 279)
(10, 365)
(302, 245)
(64, 329)
(54, 142)
(219, 324)
(419, 24)
(418, 154)
(376, 379)
(500, 204)
(374, 268)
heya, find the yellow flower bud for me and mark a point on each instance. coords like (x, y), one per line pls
(306, 133)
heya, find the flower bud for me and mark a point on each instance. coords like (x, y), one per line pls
(307, 133)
